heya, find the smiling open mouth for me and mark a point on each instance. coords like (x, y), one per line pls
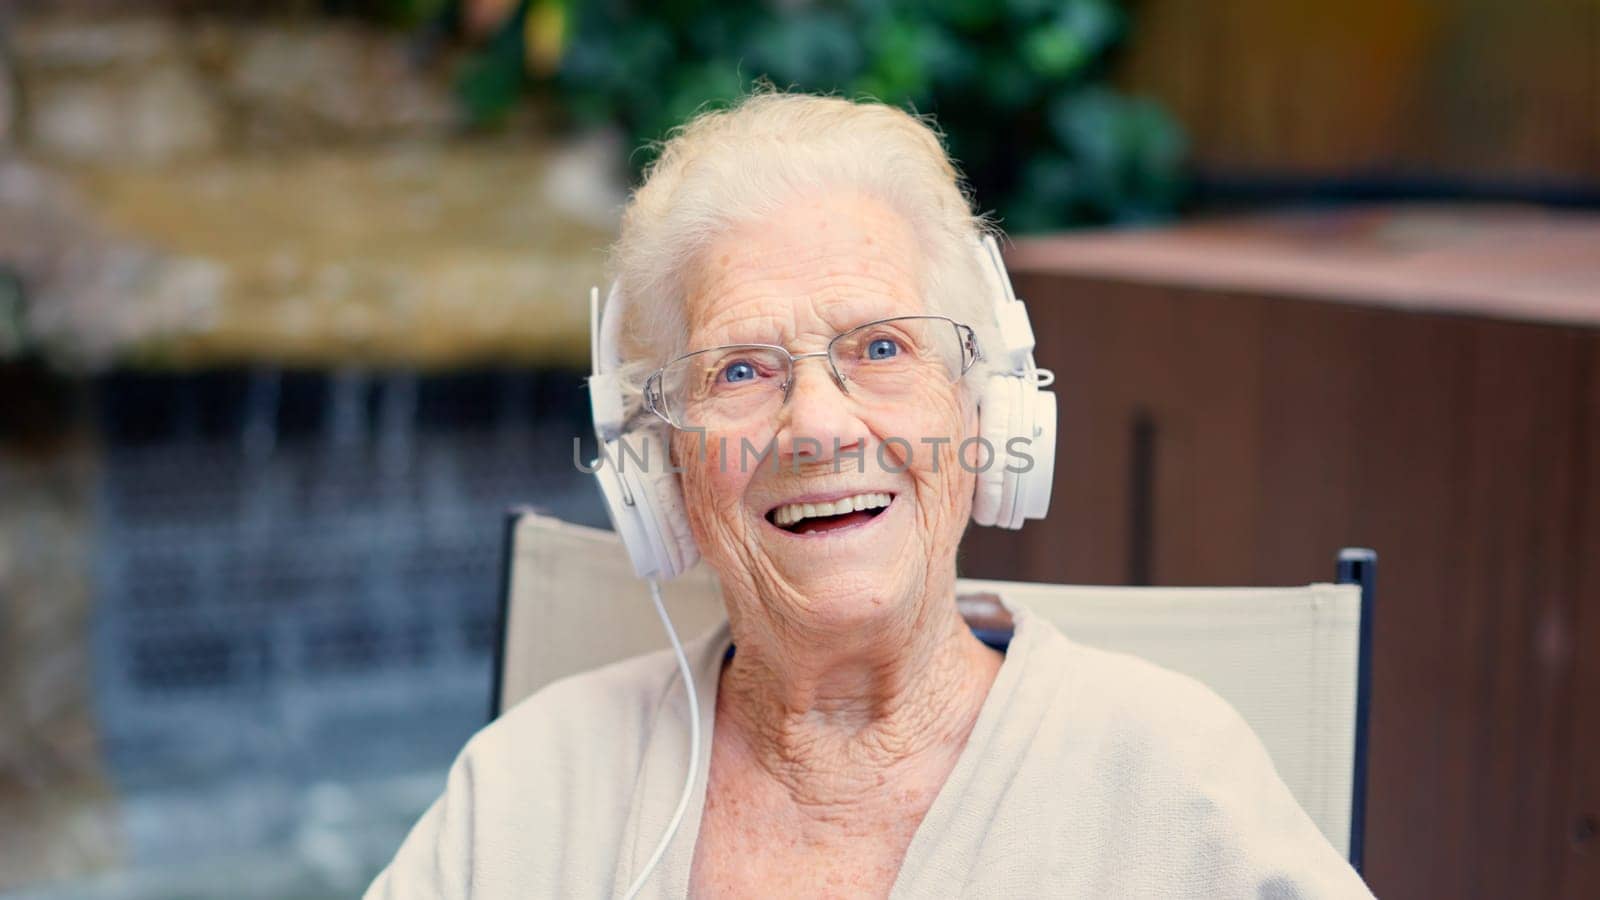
(808, 518)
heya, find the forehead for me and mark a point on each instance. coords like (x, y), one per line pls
(818, 265)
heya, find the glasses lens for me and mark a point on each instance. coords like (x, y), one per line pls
(888, 358)
(724, 386)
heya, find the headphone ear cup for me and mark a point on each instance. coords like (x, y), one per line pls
(995, 414)
(1032, 487)
(645, 503)
(665, 488)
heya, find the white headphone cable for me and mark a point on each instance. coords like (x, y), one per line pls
(694, 744)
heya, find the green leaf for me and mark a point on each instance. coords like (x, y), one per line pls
(708, 85)
(970, 15)
(1016, 86)
(1054, 51)
(815, 50)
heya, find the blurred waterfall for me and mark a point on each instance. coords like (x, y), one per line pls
(296, 581)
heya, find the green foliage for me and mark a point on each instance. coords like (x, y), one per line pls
(1017, 85)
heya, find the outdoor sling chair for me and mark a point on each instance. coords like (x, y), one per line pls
(1294, 661)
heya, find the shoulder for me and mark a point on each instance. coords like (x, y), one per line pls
(1159, 706)
(1141, 721)
(609, 703)
(535, 799)
(572, 745)
(1126, 695)
(1191, 793)
(1171, 741)
(1133, 722)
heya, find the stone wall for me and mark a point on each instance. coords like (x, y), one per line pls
(121, 91)
(302, 191)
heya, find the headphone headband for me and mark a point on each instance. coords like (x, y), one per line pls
(605, 390)
(1011, 317)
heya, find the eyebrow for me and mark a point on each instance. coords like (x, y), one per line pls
(738, 333)
(743, 336)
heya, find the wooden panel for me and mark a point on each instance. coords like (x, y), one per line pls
(1507, 638)
(1088, 333)
(1475, 89)
(1187, 363)
(1206, 442)
(1581, 863)
(1312, 360)
(1457, 447)
(1405, 501)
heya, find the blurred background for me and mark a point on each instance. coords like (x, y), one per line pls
(293, 307)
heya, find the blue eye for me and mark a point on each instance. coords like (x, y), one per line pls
(735, 372)
(882, 348)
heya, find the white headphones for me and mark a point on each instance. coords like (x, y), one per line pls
(645, 501)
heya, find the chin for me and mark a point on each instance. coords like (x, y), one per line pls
(848, 605)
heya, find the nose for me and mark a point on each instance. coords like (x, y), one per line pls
(817, 420)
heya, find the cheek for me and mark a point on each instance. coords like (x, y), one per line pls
(713, 489)
(934, 425)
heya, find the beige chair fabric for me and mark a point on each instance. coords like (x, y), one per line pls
(1285, 658)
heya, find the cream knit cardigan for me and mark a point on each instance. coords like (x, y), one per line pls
(1088, 774)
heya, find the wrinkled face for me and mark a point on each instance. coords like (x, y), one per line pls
(823, 264)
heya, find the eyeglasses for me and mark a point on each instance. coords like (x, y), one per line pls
(882, 361)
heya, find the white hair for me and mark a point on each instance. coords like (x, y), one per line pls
(737, 165)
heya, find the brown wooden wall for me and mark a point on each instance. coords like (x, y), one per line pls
(1498, 91)
(1211, 437)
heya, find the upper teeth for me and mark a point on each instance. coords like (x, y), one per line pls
(790, 513)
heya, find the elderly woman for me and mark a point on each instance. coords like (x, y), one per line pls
(861, 740)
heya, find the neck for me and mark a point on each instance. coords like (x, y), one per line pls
(836, 718)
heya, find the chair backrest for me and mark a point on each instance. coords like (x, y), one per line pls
(1285, 658)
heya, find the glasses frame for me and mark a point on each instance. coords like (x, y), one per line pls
(971, 353)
